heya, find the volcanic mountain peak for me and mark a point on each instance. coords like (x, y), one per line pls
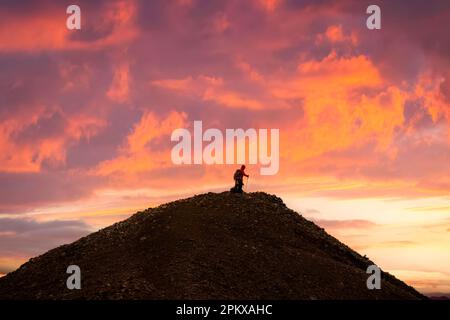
(209, 246)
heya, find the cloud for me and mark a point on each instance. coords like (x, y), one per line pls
(426, 281)
(398, 243)
(311, 211)
(119, 90)
(23, 191)
(334, 34)
(41, 139)
(213, 89)
(343, 113)
(43, 27)
(345, 224)
(137, 155)
(269, 5)
(20, 238)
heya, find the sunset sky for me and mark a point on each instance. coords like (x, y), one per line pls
(364, 117)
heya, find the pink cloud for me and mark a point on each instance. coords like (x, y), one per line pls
(119, 90)
(346, 224)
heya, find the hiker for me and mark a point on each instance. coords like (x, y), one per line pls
(238, 179)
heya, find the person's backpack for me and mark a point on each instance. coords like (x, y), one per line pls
(237, 175)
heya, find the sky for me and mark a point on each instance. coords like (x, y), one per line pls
(86, 117)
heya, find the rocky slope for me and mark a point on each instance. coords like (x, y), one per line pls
(210, 246)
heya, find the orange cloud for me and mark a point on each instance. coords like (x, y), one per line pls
(33, 32)
(428, 89)
(136, 156)
(269, 5)
(47, 30)
(221, 23)
(347, 105)
(216, 89)
(28, 156)
(336, 116)
(119, 90)
(249, 71)
(231, 99)
(175, 84)
(335, 34)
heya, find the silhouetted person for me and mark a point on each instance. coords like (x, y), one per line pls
(238, 179)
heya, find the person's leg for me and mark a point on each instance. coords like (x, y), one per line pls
(235, 188)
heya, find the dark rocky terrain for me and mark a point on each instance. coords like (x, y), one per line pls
(210, 246)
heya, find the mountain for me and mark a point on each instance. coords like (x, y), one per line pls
(210, 246)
